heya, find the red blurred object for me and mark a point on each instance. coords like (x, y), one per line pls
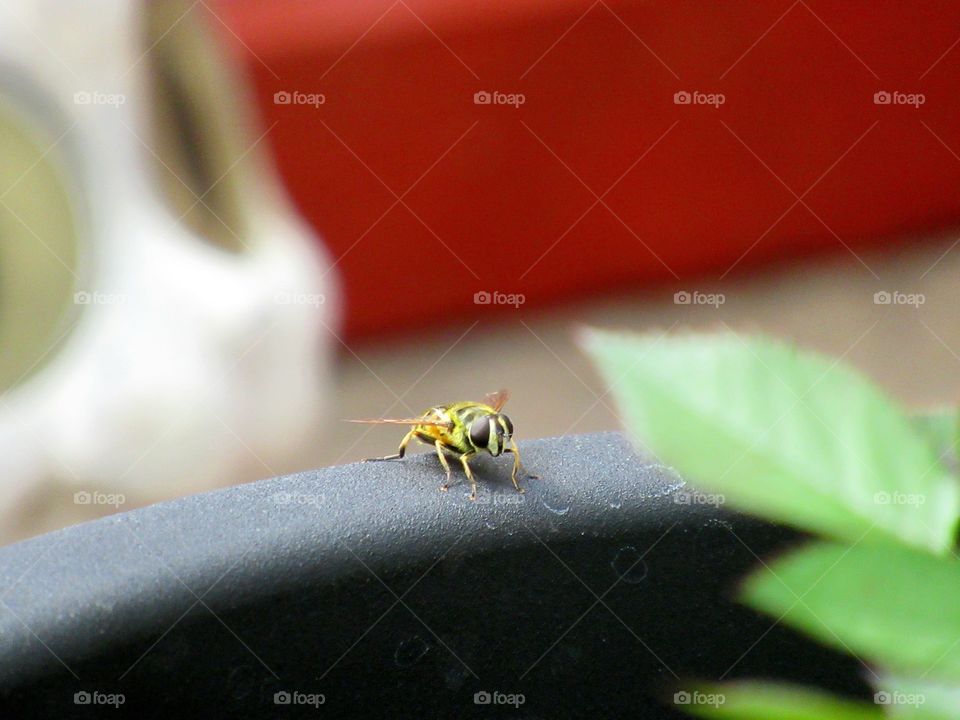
(495, 197)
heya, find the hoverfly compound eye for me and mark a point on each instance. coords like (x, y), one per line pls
(480, 432)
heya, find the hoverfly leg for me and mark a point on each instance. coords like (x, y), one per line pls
(469, 472)
(446, 465)
(400, 452)
(518, 466)
(397, 456)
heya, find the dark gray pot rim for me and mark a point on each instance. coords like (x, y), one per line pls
(73, 597)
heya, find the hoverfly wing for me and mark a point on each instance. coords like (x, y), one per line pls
(403, 421)
(497, 399)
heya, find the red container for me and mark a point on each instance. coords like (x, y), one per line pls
(603, 176)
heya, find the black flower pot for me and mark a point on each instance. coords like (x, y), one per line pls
(364, 591)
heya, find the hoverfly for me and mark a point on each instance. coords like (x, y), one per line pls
(463, 430)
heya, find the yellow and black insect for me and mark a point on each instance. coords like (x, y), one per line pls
(463, 430)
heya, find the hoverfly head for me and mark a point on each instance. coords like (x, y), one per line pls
(491, 433)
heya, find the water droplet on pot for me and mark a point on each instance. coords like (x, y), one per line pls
(557, 508)
(629, 566)
(409, 652)
(455, 677)
(241, 681)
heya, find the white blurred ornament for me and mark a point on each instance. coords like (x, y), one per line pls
(164, 313)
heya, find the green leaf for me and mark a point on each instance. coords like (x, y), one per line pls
(791, 436)
(939, 427)
(756, 700)
(907, 698)
(888, 605)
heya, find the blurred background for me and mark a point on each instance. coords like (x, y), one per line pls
(228, 225)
